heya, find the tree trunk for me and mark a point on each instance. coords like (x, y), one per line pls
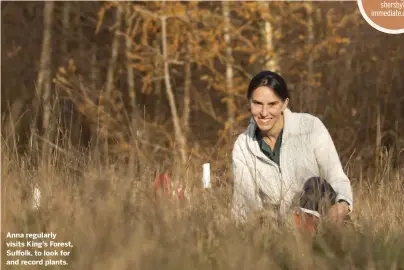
(65, 50)
(94, 68)
(95, 79)
(66, 26)
(180, 139)
(271, 61)
(378, 139)
(187, 88)
(114, 52)
(131, 89)
(157, 84)
(130, 74)
(111, 70)
(44, 78)
(309, 90)
(80, 34)
(229, 69)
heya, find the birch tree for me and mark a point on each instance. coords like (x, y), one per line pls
(229, 67)
(271, 61)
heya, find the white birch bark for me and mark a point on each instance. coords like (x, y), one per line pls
(229, 68)
(271, 61)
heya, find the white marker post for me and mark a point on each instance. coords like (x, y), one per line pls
(206, 175)
(37, 198)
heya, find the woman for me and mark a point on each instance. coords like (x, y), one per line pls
(284, 157)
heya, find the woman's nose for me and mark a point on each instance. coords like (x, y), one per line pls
(264, 111)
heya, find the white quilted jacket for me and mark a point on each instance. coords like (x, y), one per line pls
(307, 150)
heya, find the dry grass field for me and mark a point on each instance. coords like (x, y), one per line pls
(114, 221)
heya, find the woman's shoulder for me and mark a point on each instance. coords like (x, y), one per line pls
(302, 115)
(303, 121)
(241, 140)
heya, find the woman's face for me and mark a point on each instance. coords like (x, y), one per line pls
(266, 107)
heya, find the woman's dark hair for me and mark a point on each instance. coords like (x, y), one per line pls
(271, 80)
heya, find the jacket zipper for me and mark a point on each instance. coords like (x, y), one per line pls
(270, 162)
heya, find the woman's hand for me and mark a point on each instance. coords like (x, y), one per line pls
(338, 212)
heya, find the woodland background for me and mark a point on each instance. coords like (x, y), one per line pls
(170, 78)
(99, 98)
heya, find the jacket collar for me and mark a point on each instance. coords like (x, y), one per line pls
(252, 142)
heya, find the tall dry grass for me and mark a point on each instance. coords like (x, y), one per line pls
(115, 221)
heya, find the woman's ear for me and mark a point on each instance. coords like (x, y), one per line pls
(285, 104)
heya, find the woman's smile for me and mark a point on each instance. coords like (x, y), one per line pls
(264, 120)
